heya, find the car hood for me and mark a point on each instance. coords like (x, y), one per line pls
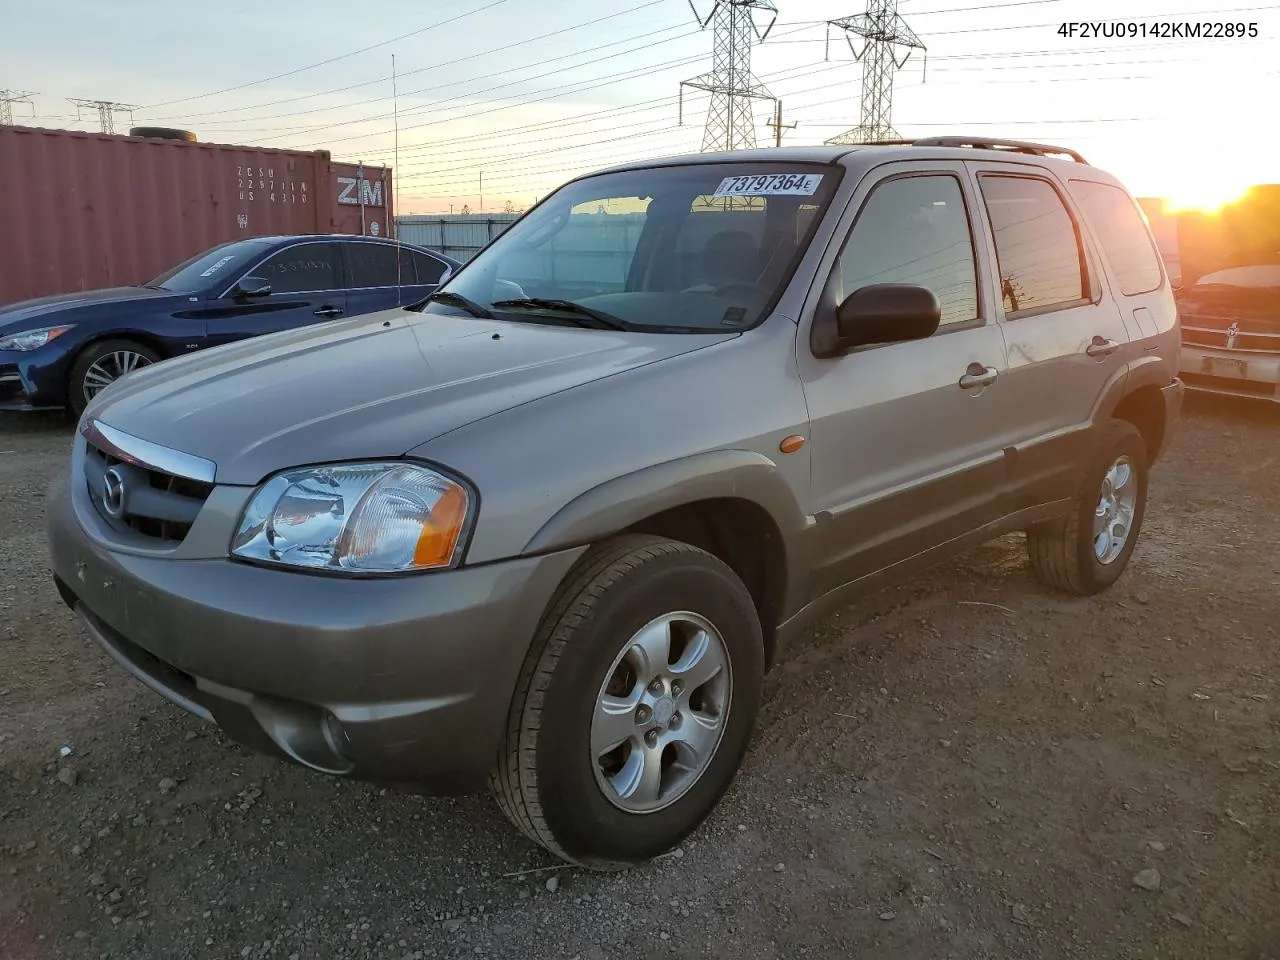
(373, 386)
(31, 314)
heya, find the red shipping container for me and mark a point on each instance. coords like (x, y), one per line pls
(82, 211)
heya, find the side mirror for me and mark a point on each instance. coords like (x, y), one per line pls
(251, 287)
(887, 313)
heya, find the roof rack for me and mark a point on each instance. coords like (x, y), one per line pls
(989, 143)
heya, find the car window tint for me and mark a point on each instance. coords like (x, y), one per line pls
(302, 269)
(429, 269)
(1123, 234)
(373, 265)
(1037, 248)
(915, 230)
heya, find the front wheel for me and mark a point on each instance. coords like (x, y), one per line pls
(102, 364)
(1085, 552)
(635, 706)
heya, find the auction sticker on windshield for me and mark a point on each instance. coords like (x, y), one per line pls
(770, 184)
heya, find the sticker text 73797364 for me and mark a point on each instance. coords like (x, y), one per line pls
(770, 184)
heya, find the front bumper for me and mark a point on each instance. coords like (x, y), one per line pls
(404, 680)
(1251, 374)
(32, 381)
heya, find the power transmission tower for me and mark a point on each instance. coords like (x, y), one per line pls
(8, 98)
(107, 111)
(731, 124)
(883, 32)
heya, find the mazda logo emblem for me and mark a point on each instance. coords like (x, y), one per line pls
(113, 493)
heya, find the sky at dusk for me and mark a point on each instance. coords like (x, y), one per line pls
(529, 94)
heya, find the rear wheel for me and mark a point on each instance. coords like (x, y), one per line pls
(102, 364)
(1086, 552)
(635, 706)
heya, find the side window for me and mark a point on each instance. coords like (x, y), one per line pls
(915, 230)
(304, 268)
(430, 270)
(1123, 234)
(372, 265)
(1037, 247)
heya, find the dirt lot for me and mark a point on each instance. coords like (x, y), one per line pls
(964, 767)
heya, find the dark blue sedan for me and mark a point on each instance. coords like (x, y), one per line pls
(58, 352)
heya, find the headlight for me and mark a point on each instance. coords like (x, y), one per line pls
(31, 339)
(356, 518)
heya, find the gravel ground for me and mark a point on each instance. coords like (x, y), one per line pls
(967, 766)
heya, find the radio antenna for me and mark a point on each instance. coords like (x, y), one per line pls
(395, 180)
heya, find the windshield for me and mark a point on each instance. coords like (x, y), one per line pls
(213, 266)
(688, 248)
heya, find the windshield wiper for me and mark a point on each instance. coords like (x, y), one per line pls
(456, 300)
(596, 318)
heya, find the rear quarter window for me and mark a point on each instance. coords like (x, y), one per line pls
(1122, 231)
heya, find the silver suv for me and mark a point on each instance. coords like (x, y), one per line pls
(548, 529)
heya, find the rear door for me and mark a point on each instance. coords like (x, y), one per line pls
(305, 284)
(381, 276)
(908, 437)
(1065, 338)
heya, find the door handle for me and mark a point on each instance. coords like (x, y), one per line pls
(1101, 347)
(978, 376)
(329, 312)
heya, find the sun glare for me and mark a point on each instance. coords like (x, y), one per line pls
(1204, 196)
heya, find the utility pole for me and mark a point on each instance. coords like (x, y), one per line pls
(8, 98)
(883, 32)
(730, 123)
(107, 110)
(481, 210)
(778, 125)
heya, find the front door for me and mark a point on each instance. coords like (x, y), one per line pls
(305, 288)
(1066, 338)
(907, 438)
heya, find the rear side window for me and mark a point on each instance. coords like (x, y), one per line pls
(1122, 233)
(429, 269)
(373, 265)
(915, 230)
(1037, 246)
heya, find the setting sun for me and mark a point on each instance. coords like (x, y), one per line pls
(1207, 195)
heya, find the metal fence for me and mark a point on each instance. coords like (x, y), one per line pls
(460, 236)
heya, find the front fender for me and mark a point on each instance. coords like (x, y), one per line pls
(718, 474)
(624, 501)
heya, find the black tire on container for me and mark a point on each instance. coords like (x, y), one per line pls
(1062, 551)
(543, 780)
(76, 399)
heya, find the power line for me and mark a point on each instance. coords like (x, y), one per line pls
(503, 48)
(321, 63)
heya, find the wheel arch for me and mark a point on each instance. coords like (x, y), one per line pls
(150, 341)
(735, 504)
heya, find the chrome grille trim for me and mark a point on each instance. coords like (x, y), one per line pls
(144, 453)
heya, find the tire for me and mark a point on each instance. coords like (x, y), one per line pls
(1064, 552)
(102, 353)
(548, 780)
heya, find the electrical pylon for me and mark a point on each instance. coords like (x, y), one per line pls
(883, 32)
(731, 124)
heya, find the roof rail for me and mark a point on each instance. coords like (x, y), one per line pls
(990, 143)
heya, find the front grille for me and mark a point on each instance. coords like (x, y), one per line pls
(153, 504)
(1196, 334)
